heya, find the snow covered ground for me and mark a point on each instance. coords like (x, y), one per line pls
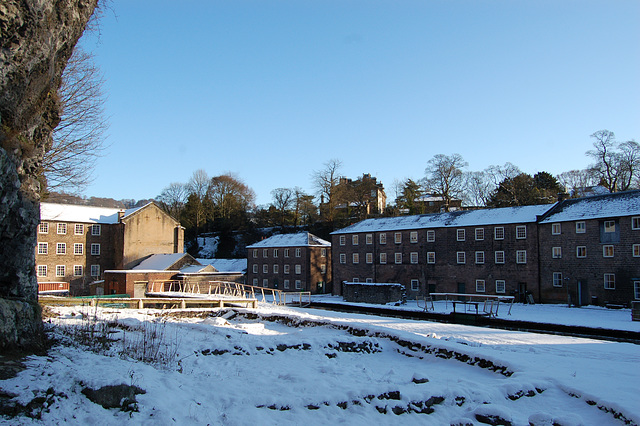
(279, 365)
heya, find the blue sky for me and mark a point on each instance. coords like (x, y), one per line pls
(271, 90)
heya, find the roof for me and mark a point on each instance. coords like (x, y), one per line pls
(159, 262)
(226, 265)
(483, 217)
(616, 204)
(301, 239)
(85, 214)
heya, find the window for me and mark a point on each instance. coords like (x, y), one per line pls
(415, 285)
(610, 281)
(383, 238)
(265, 282)
(61, 248)
(355, 258)
(431, 257)
(354, 240)
(95, 230)
(397, 237)
(413, 236)
(343, 240)
(78, 270)
(43, 248)
(635, 222)
(255, 268)
(460, 234)
(414, 257)
(431, 236)
(499, 257)
(556, 252)
(636, 290)
(79, 229)
(298, 269)
(383, 258)
(480, 286)
(78, 248)
(286, 284)
(298, 252)
(636, 250)
(275, 269)
(398, 258)
(255, 253)
(286, 268)
(42, 270)
(323, 252)
(286, 252)
(555, 229)
(581, 251)
(369, 280)
(557, 279)
(265, 269)
(607, 251)
(275, 253)
(95, 249)
(298, 284)
(479, 257)
(60, 270)
(43, 228)
(500, 286)
(609, 226)
(62, 228)
(521, 232)
(498, 233)
(255, 282)
(581, 227)
(521, 256)
(369, 238)
(343, 258)
(323, 269)
(369, 257)
(479, 234)
(265, 253)
(461, 257)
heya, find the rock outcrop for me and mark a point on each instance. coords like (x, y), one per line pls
(37, 38)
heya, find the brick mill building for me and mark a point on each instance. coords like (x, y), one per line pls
(290, 262)
(490, 251)
(76, 244)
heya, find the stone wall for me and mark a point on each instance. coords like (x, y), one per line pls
(373, 292)
(36, 40)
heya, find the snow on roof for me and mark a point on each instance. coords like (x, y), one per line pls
(195, 269)
(159, 262)
(506, 215)
(301, 239)
(226, 265)
(86, 214)
(595, 207)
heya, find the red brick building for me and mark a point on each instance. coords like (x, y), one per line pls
(290, 262)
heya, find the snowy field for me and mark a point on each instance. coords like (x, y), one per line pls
(288, 366)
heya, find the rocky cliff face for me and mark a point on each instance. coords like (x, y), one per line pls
(36, 40)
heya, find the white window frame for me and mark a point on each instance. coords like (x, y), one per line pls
(78, 249)
(461, 257)
(415, 285)
(355, 258)
(95, 249)
(323, 269)
(368, 239)
(382, 238)
(355, 240)
(96, 230)
(286, 284)
(431, 257)
(479, 257)
(78, 229)
(498, 233)
(298, 252)
(61, 248)
(479, 234)
(635, 223)
(286, 252)
(499, 257)
(78, 270)
(275, 253)
(265, 282)
(323, 252)
(556, 229)
(521, 232)
(609, 226)
(480, 286)
(369, 258)
(413, 256)
(275, 269)
(265, 253)
(460, 234)
(501, 286)
(61, 270)
(557, 279)
(413, 237)
(521, 257)
(383, 258)
(609, 281)
(343, 240)
(286, 268)
(584, 252)
(95, 270)
(42, 271)
(581, 227)
(43, 228)
(298, 269)
(556, 252)
(397, 237)
(265, 268)
(636, 250)
(43, 248)
(431, 236)
(398, 258)
(636, 290)
(255, 253)
(343, 258)
(368, 280)
(61, 229)
(255, 268)
(298, 284)
(605, 250)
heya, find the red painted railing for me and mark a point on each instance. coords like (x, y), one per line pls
(57, 286)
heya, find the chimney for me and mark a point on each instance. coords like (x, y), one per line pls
(120, 215)
(562, 196)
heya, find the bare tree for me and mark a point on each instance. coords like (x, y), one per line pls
(283, 202)
(326, 183)
(79, 138)
(198, 184)
(173, 198)
(444, 176)
(478, 188)
(230, 195)
(576, 182)
(617, 165)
